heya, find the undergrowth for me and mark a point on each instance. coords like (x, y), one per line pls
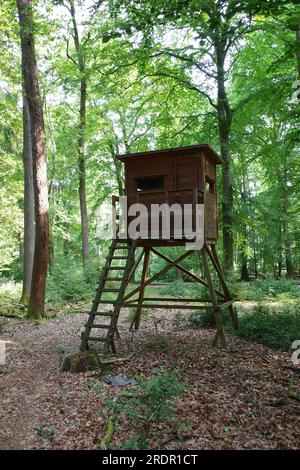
(148, 403)
(262, 325)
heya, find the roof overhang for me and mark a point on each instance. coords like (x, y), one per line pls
(189, 150)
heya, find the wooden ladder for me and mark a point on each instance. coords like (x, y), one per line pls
(108, 320)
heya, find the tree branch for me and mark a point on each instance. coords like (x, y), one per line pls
(69, 56)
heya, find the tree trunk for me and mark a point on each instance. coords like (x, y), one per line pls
(255, 256)
(285, 221)
(81, 141)
(298, 49)
(82, 195)
(287, 241)
(224, 125)
(39, 157)
(28, 243)
(244, 199)
(51, 247)
(51, 190)
(279, 255)
(244, 271)
(118, 170)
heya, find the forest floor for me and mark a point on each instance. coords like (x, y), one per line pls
(244, 397)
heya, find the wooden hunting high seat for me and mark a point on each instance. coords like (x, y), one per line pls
(184, 175)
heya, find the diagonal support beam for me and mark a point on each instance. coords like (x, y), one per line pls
(213, 255)
(185, 271)
(134, 267)
(157, 275)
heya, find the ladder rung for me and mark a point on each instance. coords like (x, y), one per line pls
(119, 257)
(114, 279)
(117, 267)
(107, 301)
(110, 289)
(121, 247)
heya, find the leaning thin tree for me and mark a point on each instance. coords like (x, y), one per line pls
(36, 305)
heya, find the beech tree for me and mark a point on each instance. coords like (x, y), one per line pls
(79, 62)
(28, 203)
(36, 305)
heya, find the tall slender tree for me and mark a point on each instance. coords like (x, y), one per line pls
(36, 305)
(80, 64)
(28, 203)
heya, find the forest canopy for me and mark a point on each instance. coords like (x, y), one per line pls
(121, 76)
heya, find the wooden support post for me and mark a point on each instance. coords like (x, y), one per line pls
(215, 260)
(217, 311)
(138, 313)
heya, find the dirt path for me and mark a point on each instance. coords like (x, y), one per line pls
(239, 398)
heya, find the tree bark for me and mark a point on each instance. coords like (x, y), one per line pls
(244, 199)
(28, 240)
(298, 49)
(81, 141)
(224, 126)
(287, 241)
(283, 177)
(118, 170)
(244, 271)
(279, 253)
(36, 306)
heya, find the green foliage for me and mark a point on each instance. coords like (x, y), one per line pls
(180, 288)
(158, 342)
(177, 288)
(138, 443)
(4, 370)
(10, 293)
(151, 94)
(262, 325)
(194, 320)
(264, 289)
(151, 400)
(3, 323)
(197, 320)
(69, 282)
(46, 432)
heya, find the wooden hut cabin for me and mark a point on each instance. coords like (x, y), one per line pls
(184, 175)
